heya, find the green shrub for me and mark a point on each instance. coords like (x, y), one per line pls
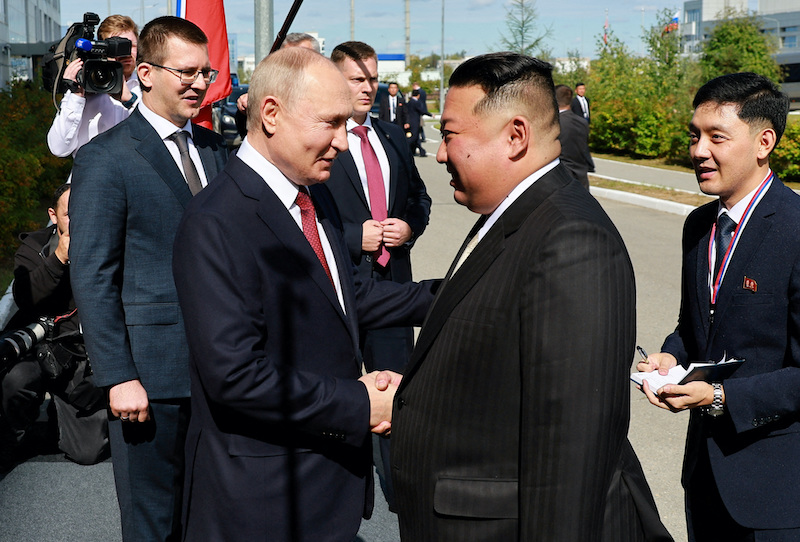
(785, 159)
(28, 172)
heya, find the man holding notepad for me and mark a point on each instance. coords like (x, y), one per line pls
(740, 299)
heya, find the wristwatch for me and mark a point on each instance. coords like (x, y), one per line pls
(716, 408)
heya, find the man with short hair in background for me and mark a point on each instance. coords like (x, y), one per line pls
(574, 138)
(130, 187)
(384, 208)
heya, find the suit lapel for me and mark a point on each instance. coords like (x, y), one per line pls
(485, 253)
(753, 235)
(152, 149)
(277, 218)
(699, 261)
(347, 162)
(207, 155)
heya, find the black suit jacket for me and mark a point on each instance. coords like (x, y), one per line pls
(511, 421)
(753, 447)
(574, 139)
(127, 198)
(408, 200)
(278, 443)
(578, 110)
(384, 113)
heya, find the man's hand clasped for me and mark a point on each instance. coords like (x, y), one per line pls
(128, 401)
(381, 387)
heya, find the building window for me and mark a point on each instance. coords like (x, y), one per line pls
(789, 29)
(693, 16)
(789, 41)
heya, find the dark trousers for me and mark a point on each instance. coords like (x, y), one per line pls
(386, 349)
(148, 461)
(707, 518)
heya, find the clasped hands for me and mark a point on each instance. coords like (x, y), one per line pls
(391, 232)
(674, 397)
(381, 387)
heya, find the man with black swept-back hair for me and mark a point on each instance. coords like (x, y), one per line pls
(511, 421)
(741, 300)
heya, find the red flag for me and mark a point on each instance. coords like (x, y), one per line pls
(209, 15)
(605, 31)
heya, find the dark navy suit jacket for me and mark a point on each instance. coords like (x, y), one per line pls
(279, 443)
(754, 446)
(127, 198)
(408, 200)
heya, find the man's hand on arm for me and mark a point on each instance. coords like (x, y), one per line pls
(129, 400)
(381, 387)
(396, 232)
(371, 235)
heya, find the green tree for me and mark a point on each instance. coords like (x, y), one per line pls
(736, 45)
(522, 34)
(28, 172)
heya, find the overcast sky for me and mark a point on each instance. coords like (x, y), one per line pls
(474, 26)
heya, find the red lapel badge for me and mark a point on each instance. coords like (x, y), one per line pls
(750, 284)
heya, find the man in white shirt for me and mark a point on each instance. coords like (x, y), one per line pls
(81, 116)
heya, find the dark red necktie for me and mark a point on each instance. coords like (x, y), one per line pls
(309, 220)
(377, 190)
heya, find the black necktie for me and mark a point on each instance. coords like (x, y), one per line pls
(725, 227)
(189, 170)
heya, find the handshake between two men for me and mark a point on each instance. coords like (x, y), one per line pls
(381, 387)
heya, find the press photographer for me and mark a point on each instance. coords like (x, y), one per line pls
(56, 361)
(87, 108)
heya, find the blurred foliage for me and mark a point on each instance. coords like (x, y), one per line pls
(522, 34)
(28, 172)
(641, 106)
(785, 159)
(737, 45)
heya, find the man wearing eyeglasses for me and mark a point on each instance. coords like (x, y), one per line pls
(130, 187)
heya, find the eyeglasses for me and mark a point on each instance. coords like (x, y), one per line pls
(188, 77)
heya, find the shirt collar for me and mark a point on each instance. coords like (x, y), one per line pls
(285, 189)
(162, 126)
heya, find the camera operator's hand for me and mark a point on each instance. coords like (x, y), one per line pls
(128, 401)
(241, 102)
(71, 74)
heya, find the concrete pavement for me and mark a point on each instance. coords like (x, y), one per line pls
(50, 499)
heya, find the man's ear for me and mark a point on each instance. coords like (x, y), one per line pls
(270, 109)
(52, 214)
(144, 72)
(518, 131)
(766, 142)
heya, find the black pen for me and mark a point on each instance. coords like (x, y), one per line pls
(642, 353)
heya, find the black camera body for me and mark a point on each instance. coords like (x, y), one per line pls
(99, 75)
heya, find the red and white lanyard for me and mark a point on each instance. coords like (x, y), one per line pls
(726, 260)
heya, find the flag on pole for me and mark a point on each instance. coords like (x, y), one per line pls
(209, 15)
(673, 25)
(605, 30)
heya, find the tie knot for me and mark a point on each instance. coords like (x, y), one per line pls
(361, 131)
(304, 200)
(725, 224)
(180, 138)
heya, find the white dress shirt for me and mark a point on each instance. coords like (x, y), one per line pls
(286, 191)
(165, 129)
(82, 118)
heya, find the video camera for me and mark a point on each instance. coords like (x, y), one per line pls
(99, 75)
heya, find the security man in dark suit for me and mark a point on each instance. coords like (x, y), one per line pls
(740, 299)
(393, 107)
(383, 204)
(129, 189)
(574, 138)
